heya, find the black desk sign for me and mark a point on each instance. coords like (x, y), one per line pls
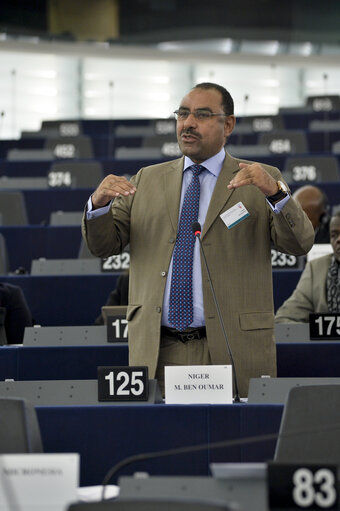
(282, 261)
(123, 383)
(115, 263)
(324, 326)
(302, 486)
(117, 328)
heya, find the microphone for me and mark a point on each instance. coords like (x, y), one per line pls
(196, 227)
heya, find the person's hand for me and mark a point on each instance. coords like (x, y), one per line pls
(254, 174)
(110, 188)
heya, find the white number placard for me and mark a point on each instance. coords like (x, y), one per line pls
(116, 262)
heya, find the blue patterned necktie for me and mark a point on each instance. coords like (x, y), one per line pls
(181, 312)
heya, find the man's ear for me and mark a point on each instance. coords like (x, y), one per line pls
(229, 124)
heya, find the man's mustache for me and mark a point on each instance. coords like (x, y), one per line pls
(189, 131)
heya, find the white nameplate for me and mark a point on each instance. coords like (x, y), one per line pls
(34, 482)
(234, 215)
(198, 384)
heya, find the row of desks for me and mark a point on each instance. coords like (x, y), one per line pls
(306, 359)
(105, 435)
(71, 300)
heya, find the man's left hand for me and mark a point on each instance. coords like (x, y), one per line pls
(254, 174)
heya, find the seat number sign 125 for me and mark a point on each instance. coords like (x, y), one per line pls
(123, 383)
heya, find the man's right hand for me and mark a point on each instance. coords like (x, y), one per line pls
(110, 188)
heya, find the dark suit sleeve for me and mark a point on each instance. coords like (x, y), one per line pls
(18, 314)
(119, 296)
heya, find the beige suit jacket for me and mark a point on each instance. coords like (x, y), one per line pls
(309, 294)
(239, 260)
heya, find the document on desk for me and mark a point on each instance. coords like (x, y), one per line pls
(38, 482)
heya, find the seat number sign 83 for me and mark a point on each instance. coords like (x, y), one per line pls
(123, 383)
(311, 486)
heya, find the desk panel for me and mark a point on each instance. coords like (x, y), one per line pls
(48, 241)
(67, 362)
(307, 359)
(65, 300)
(105, 435)
(41, 203)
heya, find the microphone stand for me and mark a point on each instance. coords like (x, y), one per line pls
(197, 233)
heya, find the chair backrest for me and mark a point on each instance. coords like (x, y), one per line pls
(284, 141)
(258, 123)
(70, 147)
(167, 144)
(29, 155)
(62, 128)
(3, 335)
(77, 266)
(19, 427)
(324, 103)
(23, 183)
(310, 425)
(86, 174)
(13, 208)
(311, 169)
(336, 147)
(4, 260)
(66, 218)
(84, 252)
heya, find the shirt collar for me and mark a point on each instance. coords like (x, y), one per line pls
(213, 164)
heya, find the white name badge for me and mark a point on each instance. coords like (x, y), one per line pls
(34, 482)
(234, 215)
(198, 384)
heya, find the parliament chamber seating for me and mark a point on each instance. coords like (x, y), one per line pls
(104, 435)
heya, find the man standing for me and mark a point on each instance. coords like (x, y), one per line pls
(171, 313)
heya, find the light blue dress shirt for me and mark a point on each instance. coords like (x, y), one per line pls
(208, 179)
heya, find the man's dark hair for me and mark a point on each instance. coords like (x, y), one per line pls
(227, 100)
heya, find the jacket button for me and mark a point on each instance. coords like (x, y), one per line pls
(172, 240)
(158, 309)
(163, 273)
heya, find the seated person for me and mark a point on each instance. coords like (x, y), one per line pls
(119, 296)
(318, 289)
(14, 313)
(315, 204)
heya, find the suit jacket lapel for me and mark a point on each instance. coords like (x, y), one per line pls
(172, 190)
(221, 194)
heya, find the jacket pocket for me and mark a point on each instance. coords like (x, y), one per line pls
(131, 311)
(256, 320)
